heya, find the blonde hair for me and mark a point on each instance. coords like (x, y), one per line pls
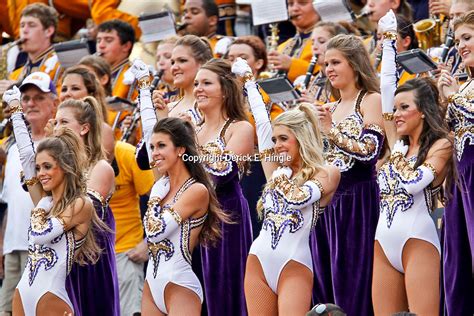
(303, 123)
(88, 111)
(68, 151)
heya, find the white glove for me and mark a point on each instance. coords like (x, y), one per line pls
(400, 147)
(46, 203)
(388, 22)
(286, 171)
(11, 95)
(241, 67)
(222, 46)
(139, 69)
(160, 188)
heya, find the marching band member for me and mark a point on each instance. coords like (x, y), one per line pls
(294, 55)
(407, 247)
(164, 53)
(458, 248)
(189, 54)
(38, 25)
(406, 40)
(201, 18)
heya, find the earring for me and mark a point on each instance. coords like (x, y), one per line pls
(179, 155)
(422, 116)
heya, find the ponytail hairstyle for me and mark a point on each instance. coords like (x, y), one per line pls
(87, 111)
(182, 134)
(92, 85)
(303, 123)
(68, 151)
(200, 48)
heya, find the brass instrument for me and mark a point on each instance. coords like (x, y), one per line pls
(272, 45)
(4, 56)
(429, 32)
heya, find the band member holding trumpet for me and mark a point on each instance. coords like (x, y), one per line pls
(38, 24)
(293, 56)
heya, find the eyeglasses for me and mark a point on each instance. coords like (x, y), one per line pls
(36, 99)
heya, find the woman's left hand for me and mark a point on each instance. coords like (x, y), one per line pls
(447, 84)
(325, 118)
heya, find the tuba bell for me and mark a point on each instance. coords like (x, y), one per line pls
(429, 32)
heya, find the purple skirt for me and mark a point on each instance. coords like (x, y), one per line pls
(458, 242)
(93, 289)
(342, 243)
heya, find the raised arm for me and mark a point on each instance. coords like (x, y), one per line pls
(147, 112)
(24, 143)
(259, 112)
(388, 76)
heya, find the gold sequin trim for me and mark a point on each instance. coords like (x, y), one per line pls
(175, 215)
(266, 153)
(430, 166)
(387, 116)
(390, 35)
(16, 108)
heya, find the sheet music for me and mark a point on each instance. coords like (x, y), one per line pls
(269, 11)
(332, 10)
(71, 52)
(156, 27)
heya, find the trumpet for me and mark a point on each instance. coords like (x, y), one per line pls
(361, 15)
(180, 26)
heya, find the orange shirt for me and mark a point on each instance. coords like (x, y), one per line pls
(105, 10)
(300, 57)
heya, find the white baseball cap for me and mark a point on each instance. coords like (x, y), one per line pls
(40, 80)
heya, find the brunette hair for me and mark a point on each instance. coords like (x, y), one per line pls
(233, 101)
(182, 134)
(92, 85)
(68, 151)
